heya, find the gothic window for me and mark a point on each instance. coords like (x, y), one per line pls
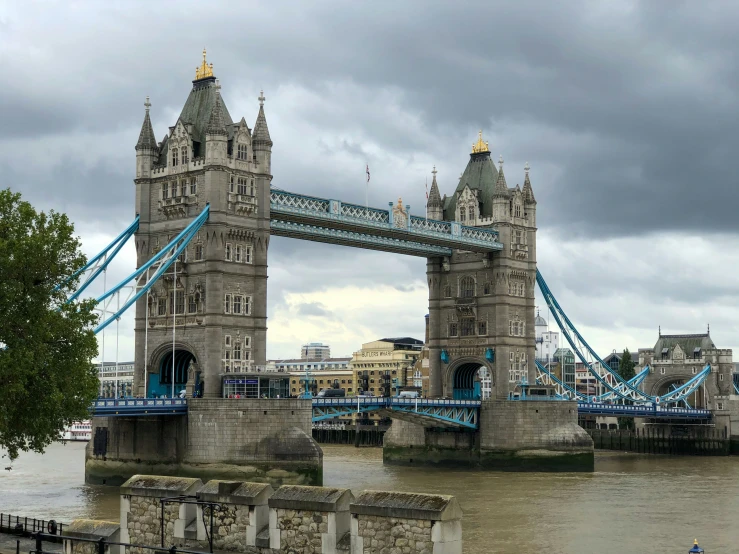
(247, 255)
(467, 326)
(237, 304)
(228, 251)
(180, 302)
(251, 193)
(237, 253)
(191, 306)
(198, 252)
(241, 152)
(242, 186)
(518, 210)
(247, 305)
(472, 212)
(183, 151)
(247, 342)
(467, 287)
(227, 304)
(482, 327)
(162, 306)
(193, 186)
(486, 289)
(173, 189)
(254, 157)
(174, 156)
(517, 370)
(237, 350)
(462, 214)
(231, 183)
(453, 329)
(228, 341)
(165, 191)
(447, 291)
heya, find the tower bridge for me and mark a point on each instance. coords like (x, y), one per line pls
(206, 209)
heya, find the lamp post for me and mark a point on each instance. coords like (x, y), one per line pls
(695, 548)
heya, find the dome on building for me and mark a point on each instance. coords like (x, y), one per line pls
(540, 321)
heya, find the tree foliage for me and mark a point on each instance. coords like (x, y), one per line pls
(626, 366)
(47, 379)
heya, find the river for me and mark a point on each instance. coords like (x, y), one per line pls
(632, 503)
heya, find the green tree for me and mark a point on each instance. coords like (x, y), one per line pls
(626, 371)
(47, 379)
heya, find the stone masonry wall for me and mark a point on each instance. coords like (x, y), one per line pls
(144, 522)
(394, 535)
(229, 528)
(300, 530)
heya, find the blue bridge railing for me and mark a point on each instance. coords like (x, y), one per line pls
(641, 410)
(139, 406)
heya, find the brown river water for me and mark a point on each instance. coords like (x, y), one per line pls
(632, 503)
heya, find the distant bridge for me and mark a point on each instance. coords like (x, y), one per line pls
(424, 411)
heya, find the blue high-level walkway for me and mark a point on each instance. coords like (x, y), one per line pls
(425, 411)
(336, 222)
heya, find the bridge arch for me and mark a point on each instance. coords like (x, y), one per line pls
(160, 369)
(663, 386)
(469, 378)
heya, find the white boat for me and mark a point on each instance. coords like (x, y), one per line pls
(78, 431)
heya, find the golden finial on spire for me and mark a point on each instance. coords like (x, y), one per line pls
(480, 146)
(205, 70)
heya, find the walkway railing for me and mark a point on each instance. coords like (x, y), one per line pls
(139, 406)
(317, 211)
(641, 410)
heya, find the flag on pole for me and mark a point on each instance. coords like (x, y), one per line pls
(368, 174)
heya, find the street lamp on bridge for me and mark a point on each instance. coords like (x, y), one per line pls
(695, 548)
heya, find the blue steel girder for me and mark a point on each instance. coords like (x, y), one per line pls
(315, 233)
(139, 406)
(641, 410)
(448, 413)
(336, 215)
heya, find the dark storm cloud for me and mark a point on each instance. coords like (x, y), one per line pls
(645, 92)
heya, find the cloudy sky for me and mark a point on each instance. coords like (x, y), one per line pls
(626, 111)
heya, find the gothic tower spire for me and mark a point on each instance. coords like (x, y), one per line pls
(528, 192)
(501, 188)
(435, 205)
(146, 136)
(261, 131)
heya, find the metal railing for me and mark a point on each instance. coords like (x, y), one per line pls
(27, 526)
(102, 544)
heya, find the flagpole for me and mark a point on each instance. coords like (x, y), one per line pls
(427, 200)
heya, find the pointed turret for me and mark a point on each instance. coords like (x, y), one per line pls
(528, 192)
(261, 131)
(435, 206)
(261, 141)
(147, 140)
(146, 148)
(501, 188)
(216, 123)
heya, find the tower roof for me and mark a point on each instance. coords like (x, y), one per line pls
(146, 136)
(501, 188)
(540, 321)
(261, 131)
(480, 174)
(434, 196)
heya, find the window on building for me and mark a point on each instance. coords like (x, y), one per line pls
(192, 307)
(198, 252)
(241, 152)
(482, 327)
(462, 214)
(251, 188)
(227, 304)
(662, 370)
(180, 302)
(447, 291)
(467, 287)
(453, 329)
(185, 157)
(193, 186)
(237, 303)
(247, 305)
(174, 156)
(237, 350)
(247, 254)
(173, 189)
(518, 210)
(467, 326)
(237, 253)
(693, 371)
(228, 251)
(721, 377)
(719, 405)
(161, 306)
(241, 186)
(486, 289)
(165, 191)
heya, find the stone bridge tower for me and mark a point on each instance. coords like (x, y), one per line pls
(481, 306)
(216, 296)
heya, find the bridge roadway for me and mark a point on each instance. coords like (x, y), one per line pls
(423, 411)
(391, 230)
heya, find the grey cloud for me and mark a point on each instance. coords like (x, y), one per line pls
(314, 309)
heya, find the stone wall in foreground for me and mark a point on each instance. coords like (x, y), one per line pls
(254, 518)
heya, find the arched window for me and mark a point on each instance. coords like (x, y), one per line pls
(518, 209)
(472, 212)
(462, 214)
(467, 287)
(174, 156)
(185, 157)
